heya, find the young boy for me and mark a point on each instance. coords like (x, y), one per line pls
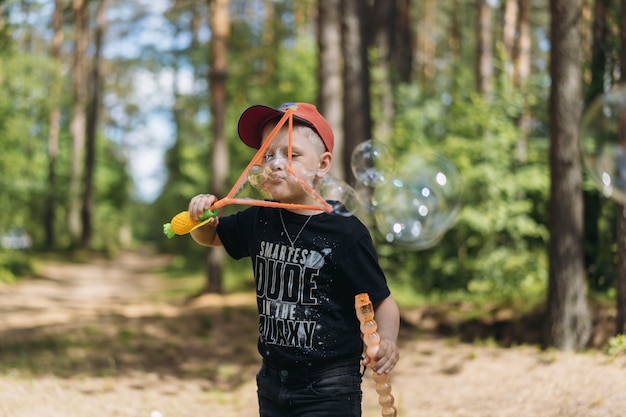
(308, 266)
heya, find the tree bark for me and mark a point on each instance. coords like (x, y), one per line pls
(220, 29)
(92, 125)
(330, 65)
(620, 275)
(567, 324)
(426, 45)
(53, 134)
(403, 42)
(455, 41)
(509, 28)
(357, 122)
(593, 200)
(77, 123)
(484, 55)
(520, 78)
(621, 212)
(523, 45)
(383, 21)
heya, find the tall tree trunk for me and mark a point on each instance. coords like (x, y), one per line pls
(77, 123)
(383, 20)
(509, 29)
(522, 45)
(330, 91)
(621, 212)
(484, 55)
(426, 45)
(593, 200)
(620, 276)
(403, 42)
(268, 38)
(520, 79)
(92, 125)
(357, 122)
(455, 43)
(567, 324)
(220, 28)
(597, 65)
(53, 134)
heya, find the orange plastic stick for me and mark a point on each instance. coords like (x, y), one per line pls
(365, 314)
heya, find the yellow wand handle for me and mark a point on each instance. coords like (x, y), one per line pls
(365, 314)
(182, 223)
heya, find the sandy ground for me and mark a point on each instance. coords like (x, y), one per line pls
(93, 339)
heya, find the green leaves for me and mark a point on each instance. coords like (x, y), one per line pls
(499, 239)
(23, 105)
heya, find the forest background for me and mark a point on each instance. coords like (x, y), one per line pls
(82, 83)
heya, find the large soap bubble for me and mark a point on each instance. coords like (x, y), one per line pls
(603, 143)
(420, 204)
(371, 163)
(257, 176)
(339, 194)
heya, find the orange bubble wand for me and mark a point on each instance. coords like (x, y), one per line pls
(182, 224)
(371, 338)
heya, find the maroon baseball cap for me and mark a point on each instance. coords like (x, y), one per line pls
(254, 118)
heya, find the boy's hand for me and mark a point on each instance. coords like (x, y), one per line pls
(199, 204)
(385, 359)
(205, 235)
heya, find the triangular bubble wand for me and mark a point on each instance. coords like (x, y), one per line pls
(182, 223)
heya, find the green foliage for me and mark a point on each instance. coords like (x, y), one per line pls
(14, 264)
(617, 345)
(498, 242)
(23, 109)
(24, 103)
(600, 237)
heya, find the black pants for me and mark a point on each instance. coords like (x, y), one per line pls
(330, 390)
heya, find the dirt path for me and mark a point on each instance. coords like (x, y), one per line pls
(92, 339)
(63, 291)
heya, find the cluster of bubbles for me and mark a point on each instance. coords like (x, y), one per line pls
(603, 143)
(413, 206)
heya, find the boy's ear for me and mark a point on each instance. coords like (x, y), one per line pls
(326, 161)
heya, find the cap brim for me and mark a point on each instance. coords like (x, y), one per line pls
(252, 121)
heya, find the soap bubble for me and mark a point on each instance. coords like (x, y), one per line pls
(364, 195)
(257, 175)
(401, 213)
(603, 143)
(341, 196)
(420, 204)
(371, 163)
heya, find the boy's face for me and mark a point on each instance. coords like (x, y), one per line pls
(309, 160)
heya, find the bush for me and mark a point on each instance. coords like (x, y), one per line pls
(14, 264)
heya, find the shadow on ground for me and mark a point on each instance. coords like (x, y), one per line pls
(503, 325)
(215, 344)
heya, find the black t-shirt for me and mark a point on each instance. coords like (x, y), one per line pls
(305, 294)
